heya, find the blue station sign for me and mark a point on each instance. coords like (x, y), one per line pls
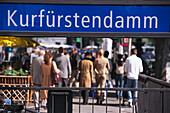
(84, 18)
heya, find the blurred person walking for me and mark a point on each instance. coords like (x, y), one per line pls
(133, 67)
(108, 73)
(24, 58)
(3, 56)
(83, 55)
(86, 75)
(101, 64)
(74, 59)
(46, 77)
(119, 74)
(64, 66)
(36, 76)
(26, 67)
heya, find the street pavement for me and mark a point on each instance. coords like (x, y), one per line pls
(112, 105)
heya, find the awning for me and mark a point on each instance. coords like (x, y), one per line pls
(10, 41)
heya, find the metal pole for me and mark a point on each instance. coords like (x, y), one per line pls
(106, 101)
(93, 102)
(129, 46)
(79, 101)
(162, 95)
(25, 100)
(81, 45)
(119, 101)
(38, 101)
(114, 55)
(146, 102)
(133, 102)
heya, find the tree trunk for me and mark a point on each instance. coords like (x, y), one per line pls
(162, 50)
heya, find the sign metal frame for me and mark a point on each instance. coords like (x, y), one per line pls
(88, 34)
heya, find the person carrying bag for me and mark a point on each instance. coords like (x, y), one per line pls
(119, 74)
(47, 78)
(56, 77)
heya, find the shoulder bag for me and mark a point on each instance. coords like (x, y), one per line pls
(55, 76)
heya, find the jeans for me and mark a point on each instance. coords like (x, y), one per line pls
(132, 83)
(119, 84)
(63, 83)
(106, 86)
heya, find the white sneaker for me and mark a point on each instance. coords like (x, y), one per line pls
(130, 104)
(129, 100)
(104, 98)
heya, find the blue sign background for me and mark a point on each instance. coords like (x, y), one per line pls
(86, 11)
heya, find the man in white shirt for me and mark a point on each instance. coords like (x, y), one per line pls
(133, 67)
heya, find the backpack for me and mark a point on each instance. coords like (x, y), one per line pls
(120, 69)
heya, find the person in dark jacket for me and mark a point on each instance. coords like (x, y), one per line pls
(74, 59)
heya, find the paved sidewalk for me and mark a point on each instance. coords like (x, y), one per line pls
(112, 106)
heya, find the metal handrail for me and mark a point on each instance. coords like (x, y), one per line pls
(145, 94)
(94, 88)
(143, 90)
(158, 81)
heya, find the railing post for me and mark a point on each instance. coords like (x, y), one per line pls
(120, 101)
(25, 99)
(145, 105)
(162, 97)
(38, 101)
(79, 100)
(93, 102)
(106, 101)
(146, 101)
(133, 102)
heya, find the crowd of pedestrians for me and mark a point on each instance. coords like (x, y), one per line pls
(78, 71)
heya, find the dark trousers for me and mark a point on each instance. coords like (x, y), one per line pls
(85, 94)
(63, 83)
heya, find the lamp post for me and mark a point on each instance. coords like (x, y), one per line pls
(129, 46)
